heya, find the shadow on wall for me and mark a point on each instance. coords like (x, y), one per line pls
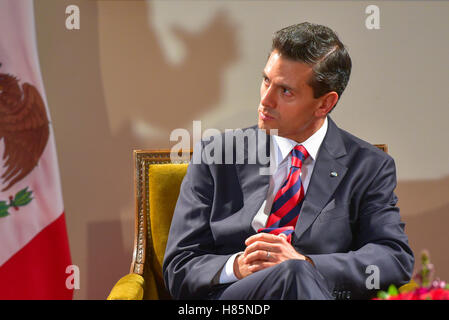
(96, 162)
(425, 210)
(140, 82)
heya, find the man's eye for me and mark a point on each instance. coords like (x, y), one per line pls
(286, 92)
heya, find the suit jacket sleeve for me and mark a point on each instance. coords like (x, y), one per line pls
(190, 262)
(379, 241)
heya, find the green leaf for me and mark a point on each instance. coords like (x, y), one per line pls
(392, 291)
(21, 194)
(23, 197)
(3, 209)
(382, 295)
(23, 202)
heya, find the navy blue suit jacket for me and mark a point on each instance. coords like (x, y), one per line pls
(348, 221)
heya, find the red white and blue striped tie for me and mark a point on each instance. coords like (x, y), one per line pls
(289, 198)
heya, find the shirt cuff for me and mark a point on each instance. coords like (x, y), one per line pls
(227, 273)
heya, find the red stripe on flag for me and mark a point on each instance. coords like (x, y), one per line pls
(37, 271)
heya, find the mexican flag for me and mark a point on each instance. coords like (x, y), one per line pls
(34, 249)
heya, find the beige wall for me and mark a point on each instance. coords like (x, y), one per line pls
(137, 70)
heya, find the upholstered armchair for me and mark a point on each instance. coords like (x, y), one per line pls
(157, 180)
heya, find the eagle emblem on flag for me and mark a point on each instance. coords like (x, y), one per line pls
(24, 128)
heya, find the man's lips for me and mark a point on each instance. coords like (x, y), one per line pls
(265, 116)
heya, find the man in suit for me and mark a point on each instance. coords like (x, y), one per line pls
(322, 225)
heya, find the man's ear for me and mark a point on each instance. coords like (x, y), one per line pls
(327, 103)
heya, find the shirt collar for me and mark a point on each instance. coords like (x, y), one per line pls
(312, 144)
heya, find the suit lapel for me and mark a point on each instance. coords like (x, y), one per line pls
(251, 176)
(327, 175)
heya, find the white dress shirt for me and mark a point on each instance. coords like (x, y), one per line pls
(280, 157)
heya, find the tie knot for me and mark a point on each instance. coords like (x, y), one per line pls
(299, 154)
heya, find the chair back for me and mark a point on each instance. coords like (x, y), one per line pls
(157, 181)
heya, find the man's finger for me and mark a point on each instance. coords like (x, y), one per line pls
(260, 265)
(262, 255)
(261, 246)
(267, 237)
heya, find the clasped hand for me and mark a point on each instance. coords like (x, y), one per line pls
(264, 250)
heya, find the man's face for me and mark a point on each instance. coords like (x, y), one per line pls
(286, 100)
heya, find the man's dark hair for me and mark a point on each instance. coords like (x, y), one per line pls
(319, 47)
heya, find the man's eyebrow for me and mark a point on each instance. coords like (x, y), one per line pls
(283, 85)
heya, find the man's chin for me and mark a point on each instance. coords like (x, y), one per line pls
(270, 129)
(262, 125)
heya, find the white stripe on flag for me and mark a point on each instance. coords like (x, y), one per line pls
(18, 56)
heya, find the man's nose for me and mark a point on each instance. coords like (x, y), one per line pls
(267, 98)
